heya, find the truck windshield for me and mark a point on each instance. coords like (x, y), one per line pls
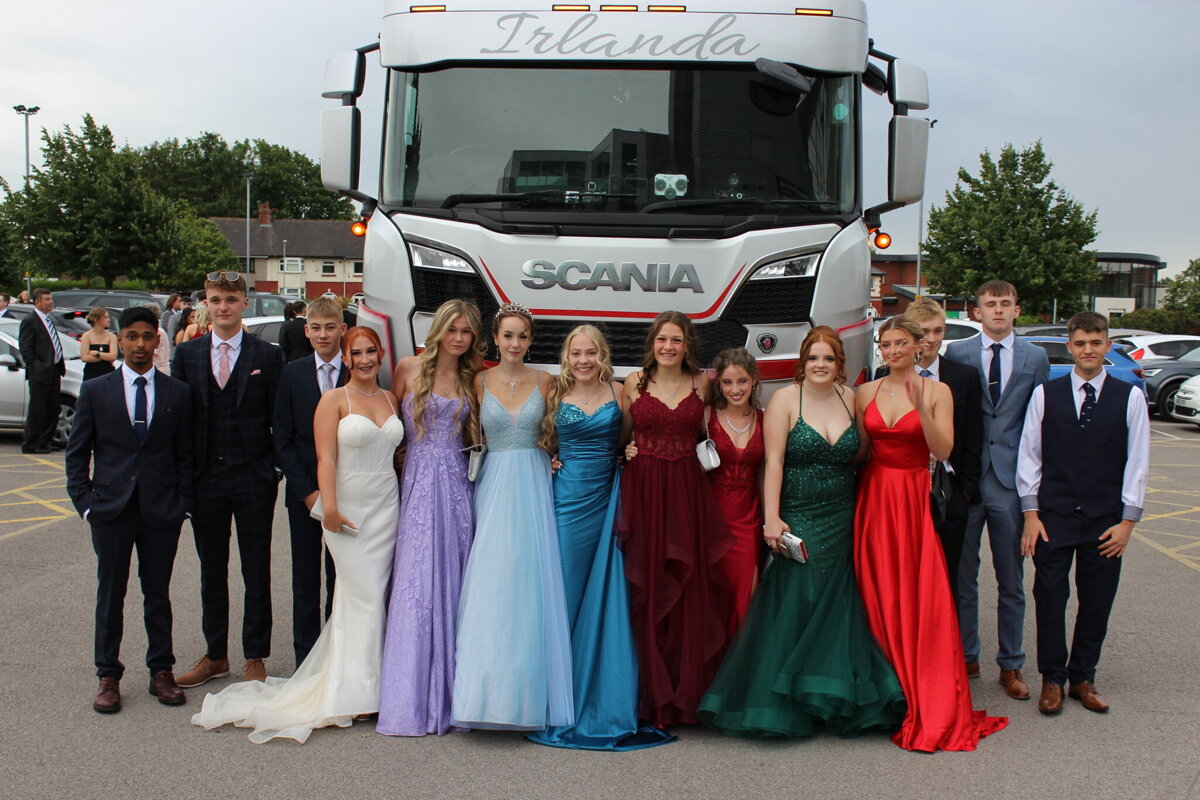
(698, 140)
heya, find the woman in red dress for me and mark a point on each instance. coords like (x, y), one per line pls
(671, 530)
(897, 555)
(735, 426)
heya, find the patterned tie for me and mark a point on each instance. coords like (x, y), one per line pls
(58, 356)
(223, 364)
(994, 374)
(140, 427)
(326, 377)
(926, 373)
(1089, 405)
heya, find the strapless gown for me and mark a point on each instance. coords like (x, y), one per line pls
(514, 645)
(340, 677)
(906, 591)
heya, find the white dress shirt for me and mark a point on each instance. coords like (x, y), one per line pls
(1006, 356)
(1137, 459)
(235, 347)
(336, 361)
(128, 376)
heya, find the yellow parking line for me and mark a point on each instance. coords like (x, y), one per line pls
(11, 534)
(1185, 547)
(47, 504)
(58, 479)
(1192, 510)
(1168, 533)
(1187, 562)
(30, 502)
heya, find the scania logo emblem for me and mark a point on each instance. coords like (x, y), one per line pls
(767, 342)
(620, 277)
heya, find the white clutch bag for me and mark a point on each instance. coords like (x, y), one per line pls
(474, 460)
(351, 514)
(706, 451)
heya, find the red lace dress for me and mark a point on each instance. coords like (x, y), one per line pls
(906, 592)
(735, 483)
(673, 536)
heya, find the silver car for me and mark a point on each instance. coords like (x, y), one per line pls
(14, 390)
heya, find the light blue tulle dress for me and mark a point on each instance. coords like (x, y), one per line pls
(514, 644)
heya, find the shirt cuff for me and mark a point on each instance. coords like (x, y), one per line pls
(1132, 513)
(1029, 503)
(85, 514)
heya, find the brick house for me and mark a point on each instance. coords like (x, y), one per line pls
(302, 258)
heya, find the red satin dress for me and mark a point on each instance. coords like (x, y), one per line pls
(735, 483)
(906, 592)
(673, 536)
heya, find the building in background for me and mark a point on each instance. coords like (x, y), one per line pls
(302, 258)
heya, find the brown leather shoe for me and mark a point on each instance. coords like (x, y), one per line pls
(1014, 684)
(108, 696)
(205, 670)
(1051, 701)
(1088, 697)
(255, 670)
(972, 669)
(163, 686)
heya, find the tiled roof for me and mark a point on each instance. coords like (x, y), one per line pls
(306, 238)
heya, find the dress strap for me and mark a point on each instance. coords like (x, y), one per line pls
(843, 399)
(389, 402)
(346, 392)
(613, 392)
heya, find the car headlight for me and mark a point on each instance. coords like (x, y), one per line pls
(795, 267)
(432, 258)
(1150, 373)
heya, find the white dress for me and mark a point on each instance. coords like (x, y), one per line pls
(340, 677)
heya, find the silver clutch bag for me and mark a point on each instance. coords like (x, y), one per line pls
(474, 460)
(706, 451)
(351, 514)
(793, 547)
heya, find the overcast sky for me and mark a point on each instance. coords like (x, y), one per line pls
(1107, 86)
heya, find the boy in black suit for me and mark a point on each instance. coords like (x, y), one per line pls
(1082, 471)
(131, 425)
(232, 377)
(300, 388)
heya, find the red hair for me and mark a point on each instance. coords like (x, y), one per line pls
(360, 331)
(826, 334)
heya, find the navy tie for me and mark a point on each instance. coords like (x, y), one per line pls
(926, 373)
(994, 374)
(1089, 405)
(139, 409)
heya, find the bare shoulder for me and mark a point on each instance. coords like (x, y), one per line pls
(631, 384)
(784, 397)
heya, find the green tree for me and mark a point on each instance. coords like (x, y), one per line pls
(12, 266)
(202, 248)
(1183, 292)
(1013, 222)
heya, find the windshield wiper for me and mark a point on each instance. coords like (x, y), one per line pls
(568, 196)
(812, 205)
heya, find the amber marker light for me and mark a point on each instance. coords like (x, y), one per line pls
(883, 240)
(815, 12)
(618, 8)
(359, 228)
(566, 7)
(666, 8)
(426, 8)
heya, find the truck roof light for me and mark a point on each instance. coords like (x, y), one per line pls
(666, 8)
(571, 7)
(359, 228)
(618, 8)
(815, 12)
(416, 9)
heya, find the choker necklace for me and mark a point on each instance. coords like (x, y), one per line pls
(360, 391)
(734, 428)
(806, 387)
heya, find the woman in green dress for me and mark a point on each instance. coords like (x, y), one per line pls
(804, 655)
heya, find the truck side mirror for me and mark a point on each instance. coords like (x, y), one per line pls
(908, 147)
(341, 130)
(344, 76)
(908, 86)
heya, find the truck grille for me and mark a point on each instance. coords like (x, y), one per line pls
(782, 300)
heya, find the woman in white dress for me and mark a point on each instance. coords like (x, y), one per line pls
(357, 432)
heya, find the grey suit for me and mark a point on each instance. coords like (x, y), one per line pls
(1000, 507)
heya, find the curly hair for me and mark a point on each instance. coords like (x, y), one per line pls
(691, 361)
(469, 363)
(564, 382)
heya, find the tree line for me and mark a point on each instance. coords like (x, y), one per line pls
(98, 211)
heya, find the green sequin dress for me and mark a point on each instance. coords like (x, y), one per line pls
(804, 655)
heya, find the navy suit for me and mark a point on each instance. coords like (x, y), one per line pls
(136, 495)
(296, 454)
(998, 506)
(44, 375)
(234, 464)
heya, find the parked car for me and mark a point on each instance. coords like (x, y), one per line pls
(1187, 401)
(261, 305)
(70, 321)
(1157, 345)
(14, 391)
(1165, 376)
(265, 328)
(115, 298)
(1116, 364)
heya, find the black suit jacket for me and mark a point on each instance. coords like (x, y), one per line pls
(292, 340)
(38, 351)
(295, 405)
(963, 382)
(257, 372)
(160, 468)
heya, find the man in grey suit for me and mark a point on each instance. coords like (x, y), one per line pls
(1009, 370)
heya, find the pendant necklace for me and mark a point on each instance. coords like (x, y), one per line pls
(364, 394)
(512, 387)
(734, 428)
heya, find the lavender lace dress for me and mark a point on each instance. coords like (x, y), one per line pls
(433, 538)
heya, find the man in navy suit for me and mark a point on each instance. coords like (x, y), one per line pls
(1009, 370)
(300, 388)
(232, 377)
(1082, 472)
(42, 353)
(132, 426)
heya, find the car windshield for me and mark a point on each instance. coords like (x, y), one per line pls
(705, 140)
(1193, 355)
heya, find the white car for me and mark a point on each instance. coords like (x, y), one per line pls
(1158, 345)
(265, 328)
(14, 391)
(1186, 407)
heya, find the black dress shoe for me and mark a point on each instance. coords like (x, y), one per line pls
(41, 451)
(108, 696)
(163, 686)
(57, 446)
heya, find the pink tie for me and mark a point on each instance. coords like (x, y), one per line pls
(223, 364)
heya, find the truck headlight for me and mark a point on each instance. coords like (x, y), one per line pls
(794, 267)
(432, 258)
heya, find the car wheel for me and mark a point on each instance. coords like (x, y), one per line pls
(66, 418)
(1166, 400)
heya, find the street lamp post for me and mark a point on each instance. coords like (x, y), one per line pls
(248, 179)
(27, 113)
(283, 264)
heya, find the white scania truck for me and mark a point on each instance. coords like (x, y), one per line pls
(604, 162)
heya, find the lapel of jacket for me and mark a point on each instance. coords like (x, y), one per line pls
(163, 401)
(343, 374)
(202, 371)
(116, 395)
(311, 382)
(975, 357)
(1018, 367)
(246, 362)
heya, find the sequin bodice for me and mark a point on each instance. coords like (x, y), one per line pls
(503, 430)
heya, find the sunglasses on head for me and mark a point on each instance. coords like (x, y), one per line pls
(232, 277)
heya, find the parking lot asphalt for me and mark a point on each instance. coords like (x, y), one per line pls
(52, 745)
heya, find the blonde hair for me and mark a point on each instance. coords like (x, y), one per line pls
(564, 382)
(923, 309)
(469, 364)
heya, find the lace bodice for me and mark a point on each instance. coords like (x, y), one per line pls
(667, 433)
(441, 425)
(503, 431)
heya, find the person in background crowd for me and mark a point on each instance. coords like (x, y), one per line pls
(5, 299)
(201, 324)
(23, 297)
(131, 427)
(97, 346)
(182, 325)
(302, 384)
(162, 354)
(293, 338)
(1082, 470)
(42, 353)
(173, 326)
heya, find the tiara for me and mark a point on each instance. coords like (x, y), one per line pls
(514, 308)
